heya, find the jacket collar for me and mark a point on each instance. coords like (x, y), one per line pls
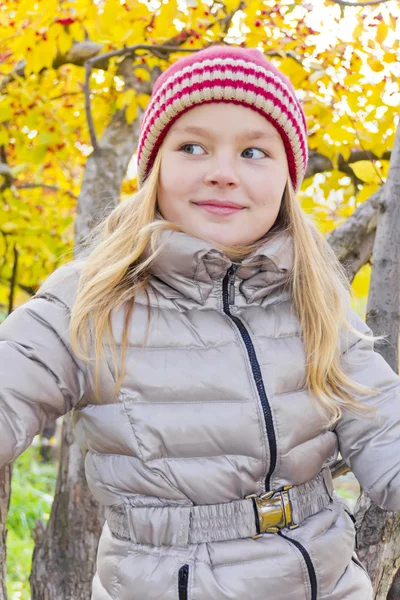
(192, 266)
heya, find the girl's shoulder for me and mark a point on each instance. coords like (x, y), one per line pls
(62, 284)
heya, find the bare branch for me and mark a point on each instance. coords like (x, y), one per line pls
(367, 3)
(22, 186)
(88, 108)
(65, 95)
(128, 51)
(353, 240)
(339, 468)
(131, 50)
(5, 171)
(13, 280)
(11, 181)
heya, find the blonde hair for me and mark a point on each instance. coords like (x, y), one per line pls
(114, 272)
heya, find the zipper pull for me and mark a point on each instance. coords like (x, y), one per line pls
(232, 271)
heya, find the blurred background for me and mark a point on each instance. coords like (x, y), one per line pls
(75, 77)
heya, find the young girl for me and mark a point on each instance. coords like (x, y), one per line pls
(206, 343)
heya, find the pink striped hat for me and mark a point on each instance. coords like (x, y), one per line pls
(225, 74)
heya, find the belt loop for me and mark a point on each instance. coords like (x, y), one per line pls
(327, 475)
(184, 526)
(129, 515)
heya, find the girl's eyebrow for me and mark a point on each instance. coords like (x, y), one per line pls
(253, 134)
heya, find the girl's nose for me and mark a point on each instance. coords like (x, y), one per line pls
(222, 173)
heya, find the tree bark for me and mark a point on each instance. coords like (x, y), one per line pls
(67, 548)
(378, 530)
(5, 481)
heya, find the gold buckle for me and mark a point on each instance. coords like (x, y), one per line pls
(274, 511)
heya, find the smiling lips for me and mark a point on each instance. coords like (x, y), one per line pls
(219, 207)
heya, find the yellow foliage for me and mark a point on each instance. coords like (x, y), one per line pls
(6, 111)
(361, 281)
(376, 65)
(142, 73)
(296, 73)
(143, 100)
(132, 110)
(366, 171)
(4, 137)
(382, 31)
(366, 192)
(125, 98)
(338, 133)
(43, 121)
(164, 27)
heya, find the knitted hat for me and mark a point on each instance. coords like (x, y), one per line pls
(225, 74)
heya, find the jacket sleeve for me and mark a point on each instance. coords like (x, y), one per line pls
(40, 379)
(370, 444)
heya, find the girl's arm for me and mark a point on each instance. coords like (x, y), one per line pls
(40, 379)
(370, 444)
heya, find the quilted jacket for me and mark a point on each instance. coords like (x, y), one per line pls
(214, 408)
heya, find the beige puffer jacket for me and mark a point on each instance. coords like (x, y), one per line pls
(214, 409)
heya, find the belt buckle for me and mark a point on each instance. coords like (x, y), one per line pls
(274, 511)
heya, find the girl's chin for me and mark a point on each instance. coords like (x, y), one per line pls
(223, 238)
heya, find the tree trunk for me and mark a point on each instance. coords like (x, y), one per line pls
(378, 530)
(67, 548)
(5, 480)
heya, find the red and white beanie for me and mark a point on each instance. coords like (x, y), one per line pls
(225, 74)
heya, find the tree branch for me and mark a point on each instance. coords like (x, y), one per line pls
(13, 280)
(367, 3)
(128, 51)
(55, 188)
(352, 241)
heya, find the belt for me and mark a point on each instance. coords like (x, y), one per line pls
(182, 524)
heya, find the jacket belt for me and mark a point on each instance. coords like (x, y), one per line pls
(180, 525)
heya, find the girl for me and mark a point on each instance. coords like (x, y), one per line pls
(207, 346)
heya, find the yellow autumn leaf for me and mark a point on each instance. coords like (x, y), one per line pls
(6, 111)
(381, 32)
(77, 32)
(125, 98)
(142, 73)
(64, 41)
(366, 192)
(389, 57)
(4, 137)
(384, 168)
(358, 30)
(352, 79)
(338, 133)
(26, 8)
(296, 73)
(365, 170)
(361, 281)
(353, 101)
(131, 111)
(375, 64)
(143, 100)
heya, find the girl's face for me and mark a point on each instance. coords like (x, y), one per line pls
(223, 173)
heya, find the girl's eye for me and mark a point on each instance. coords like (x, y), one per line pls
(186, 149)
(257, 150)
(189, 146)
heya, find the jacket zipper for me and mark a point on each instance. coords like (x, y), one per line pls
(183, 582)
(228, 291)
(307, 559)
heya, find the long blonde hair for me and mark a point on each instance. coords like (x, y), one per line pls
(114, 272)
